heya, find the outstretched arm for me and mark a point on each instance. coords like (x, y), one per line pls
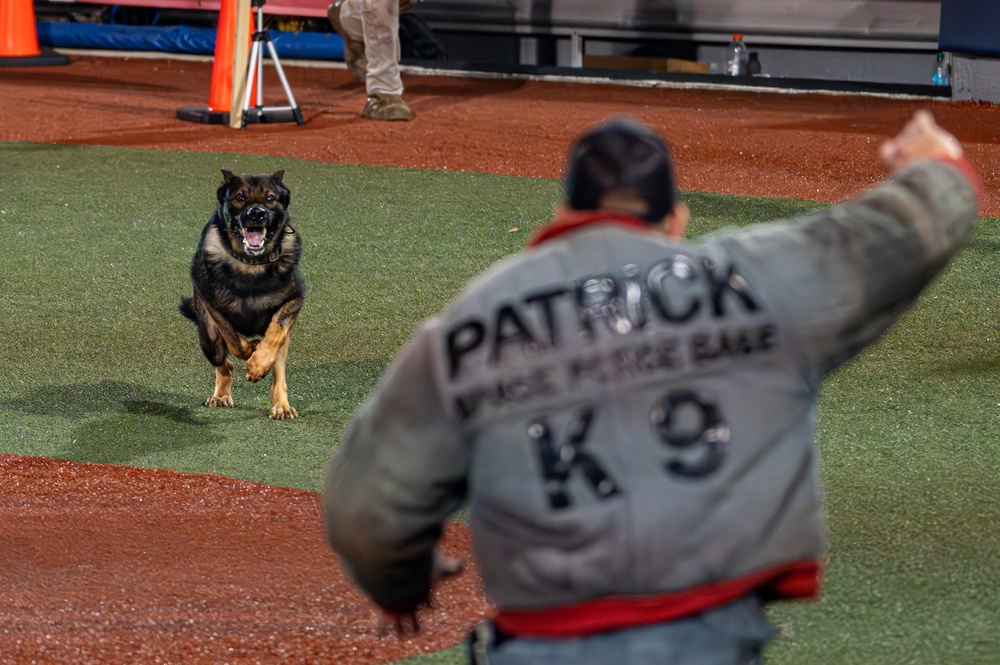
(850, 271)
(398, 476)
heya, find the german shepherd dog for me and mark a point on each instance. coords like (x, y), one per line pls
(247, 286)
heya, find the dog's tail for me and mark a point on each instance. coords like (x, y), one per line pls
(186, 308)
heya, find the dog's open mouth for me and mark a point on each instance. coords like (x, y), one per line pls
(254, 241)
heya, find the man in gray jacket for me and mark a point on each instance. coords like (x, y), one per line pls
(630, 418)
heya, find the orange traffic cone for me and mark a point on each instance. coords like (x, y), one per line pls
(220, 92)
(19, 37)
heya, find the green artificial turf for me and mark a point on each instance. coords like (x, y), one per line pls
(99, 366)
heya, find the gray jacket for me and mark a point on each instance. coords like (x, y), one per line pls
(626, 415)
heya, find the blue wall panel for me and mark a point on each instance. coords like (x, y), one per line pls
(970, 26)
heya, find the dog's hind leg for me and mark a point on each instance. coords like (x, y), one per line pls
(223, 395)
(213, 345)
(280, 408)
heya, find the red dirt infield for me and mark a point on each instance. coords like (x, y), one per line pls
(110, 564)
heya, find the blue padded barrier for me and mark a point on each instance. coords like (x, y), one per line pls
(180, 39)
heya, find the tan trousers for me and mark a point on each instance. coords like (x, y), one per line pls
(376, 22)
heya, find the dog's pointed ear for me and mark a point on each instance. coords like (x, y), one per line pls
(283, 194)
(227, 177)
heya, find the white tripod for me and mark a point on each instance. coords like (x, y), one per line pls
(261, 113)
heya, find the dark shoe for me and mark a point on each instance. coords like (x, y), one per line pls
(386, 107)
(354, 51)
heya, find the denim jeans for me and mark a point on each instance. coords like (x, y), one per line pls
(733, 634)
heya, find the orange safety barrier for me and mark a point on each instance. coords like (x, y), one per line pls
(221, 88)
(18, 33)
(19, 36)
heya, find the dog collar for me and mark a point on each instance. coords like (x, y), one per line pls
(270, 258)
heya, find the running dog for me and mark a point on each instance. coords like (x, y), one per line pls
(247, 286)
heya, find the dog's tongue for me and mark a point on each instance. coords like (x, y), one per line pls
(254, 238)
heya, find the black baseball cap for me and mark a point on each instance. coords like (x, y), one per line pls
(621, 153)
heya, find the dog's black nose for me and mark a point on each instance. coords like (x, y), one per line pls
(255, 214)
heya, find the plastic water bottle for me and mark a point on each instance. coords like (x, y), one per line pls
(941, 74)
(736, 57)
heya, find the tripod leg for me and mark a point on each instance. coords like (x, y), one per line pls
(284, 82)
(259, 36)
(260, 70)
(251, 69)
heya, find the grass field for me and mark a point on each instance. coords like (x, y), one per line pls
(100, 367)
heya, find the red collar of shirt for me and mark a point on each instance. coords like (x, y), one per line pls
(571, 220)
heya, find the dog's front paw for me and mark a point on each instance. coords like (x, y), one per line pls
(259, 365)
(217, 400)
(283, 412)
